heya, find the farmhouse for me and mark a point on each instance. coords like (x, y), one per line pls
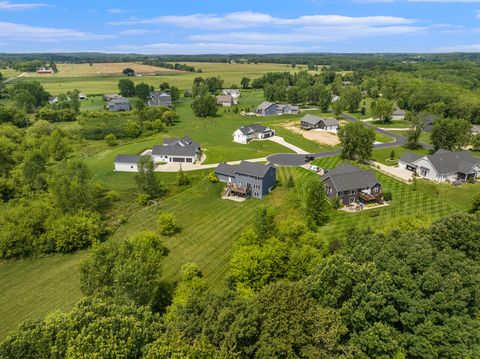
(52, 100)
(226, 101)
(443, 166)
(127, 163)
(352, 185)
(247, 179)
(309, 122)
(110, 96)
(235, 93)
(45, 70)
(245, 134)
(118, 104)
(181, 150)
(160, 98)
(398, 114)
(82, 96)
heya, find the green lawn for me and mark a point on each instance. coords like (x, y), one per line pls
(31, 288)
(380, 137)
(391, 124)
(382, 155)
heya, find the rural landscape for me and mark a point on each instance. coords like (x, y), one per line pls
(207, 204)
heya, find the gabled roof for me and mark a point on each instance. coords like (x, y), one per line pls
(314, 120)
(446, 162)
(265, 105)
(430, 118)
(399, 112)
(177, 147)
(127, 158)
(159, 94)
(244, 168)
(224, 98)
(119, 100)
(347, 177)
(409, 157)
(254, 128)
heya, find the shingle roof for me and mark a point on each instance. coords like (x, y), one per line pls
(311, 119)
(177, 147)
(409, 157)
(446, 162)
(254, 128)
(224, 98)
(245, 168)
(265, 105)
(347, 177)
(119, 100)
(127, 158)
(399, 112)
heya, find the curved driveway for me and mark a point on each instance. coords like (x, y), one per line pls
(288, 159)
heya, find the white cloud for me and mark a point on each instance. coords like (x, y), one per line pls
(459, 48)
(447, 1)
(7, 5)
(248, 19)
(13, 31)
(136, 32)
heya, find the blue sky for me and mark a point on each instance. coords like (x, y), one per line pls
(245, 26)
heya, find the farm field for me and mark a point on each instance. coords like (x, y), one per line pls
(103, 69)
(94, 84)
(9, 73)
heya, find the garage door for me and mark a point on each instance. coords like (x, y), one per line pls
(178, 159)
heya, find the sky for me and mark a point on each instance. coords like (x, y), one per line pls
(243, 26)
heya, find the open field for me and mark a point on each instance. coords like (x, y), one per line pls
(103, 69)
(319, 136)
(94, 84)
(7, 73)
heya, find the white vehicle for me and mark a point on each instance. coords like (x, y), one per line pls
(314, 168)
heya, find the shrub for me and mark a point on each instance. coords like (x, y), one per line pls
(167, 224)
(111, 139)
(337, 203)
(142, 199)
(387, 196)
(182, 178)
(290, 182)
(213, 177)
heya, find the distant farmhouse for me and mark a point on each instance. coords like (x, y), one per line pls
(127, 163)
(118, 104)
(399, 114)
(335, 98)
(110, 96)
(247, 133)
(45, 70)
(235, 93)
(54, 99)
(247, 179)
(443, 166)
(160, 98)
(475, 130)
(181, 150)
(352, 185)
(276, 109)
(226, 101)
(428, 121)
(310, 122)
(82, 96)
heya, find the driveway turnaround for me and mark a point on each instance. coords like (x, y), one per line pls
(281, 141)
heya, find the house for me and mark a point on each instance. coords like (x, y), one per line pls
(247, 133)
(428, 121)
(475, 130)
(335, 98)
(118, 104)
(267, 109)
(287, 109)
(309, 122)
(52, 100)
(45, 70)
(226, 101)
(443, 166)
(352, 185)
(235, 93)
(179, 150)
(399, 114)
(160, 98)
(247, 179)
(110, 96)
(82, 96)
(127, 163)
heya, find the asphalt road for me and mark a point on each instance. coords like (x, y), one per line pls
(288, 159)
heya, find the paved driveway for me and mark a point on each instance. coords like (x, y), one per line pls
(281, 141)
(175, 167)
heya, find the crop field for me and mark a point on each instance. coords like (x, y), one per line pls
(103, 69)
(95, 84)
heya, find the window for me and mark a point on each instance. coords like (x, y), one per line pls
(351, 200)
(375, 189)
(352, 191)
(131, 166)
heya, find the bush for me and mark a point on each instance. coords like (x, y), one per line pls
(111, 139)
(182, 178)
(51, 115)
(167, 224)
(337, 203)
(387, 196)
(142, 199)
(213, 177)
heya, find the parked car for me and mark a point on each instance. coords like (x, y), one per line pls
(309, 158)
(314, 168)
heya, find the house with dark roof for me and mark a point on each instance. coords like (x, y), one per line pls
(247, 179)
(352, 185)
(160, 98)
(247, 133)
(118, 104)
(127, 163)
(429, 120)
(310, 122)
(443, 166)
(276, 109)
(181, 150)
(226, 101)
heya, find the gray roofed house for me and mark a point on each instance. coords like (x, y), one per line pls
(399, 114)
(235, 93)
(428, 121)
(309, 122)
(118, 104)
(247, 133)
(267, 109)
(443, 166)
(160, 98)
(177, 150)
(352, 184)
(247, 179)
(226, 100)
